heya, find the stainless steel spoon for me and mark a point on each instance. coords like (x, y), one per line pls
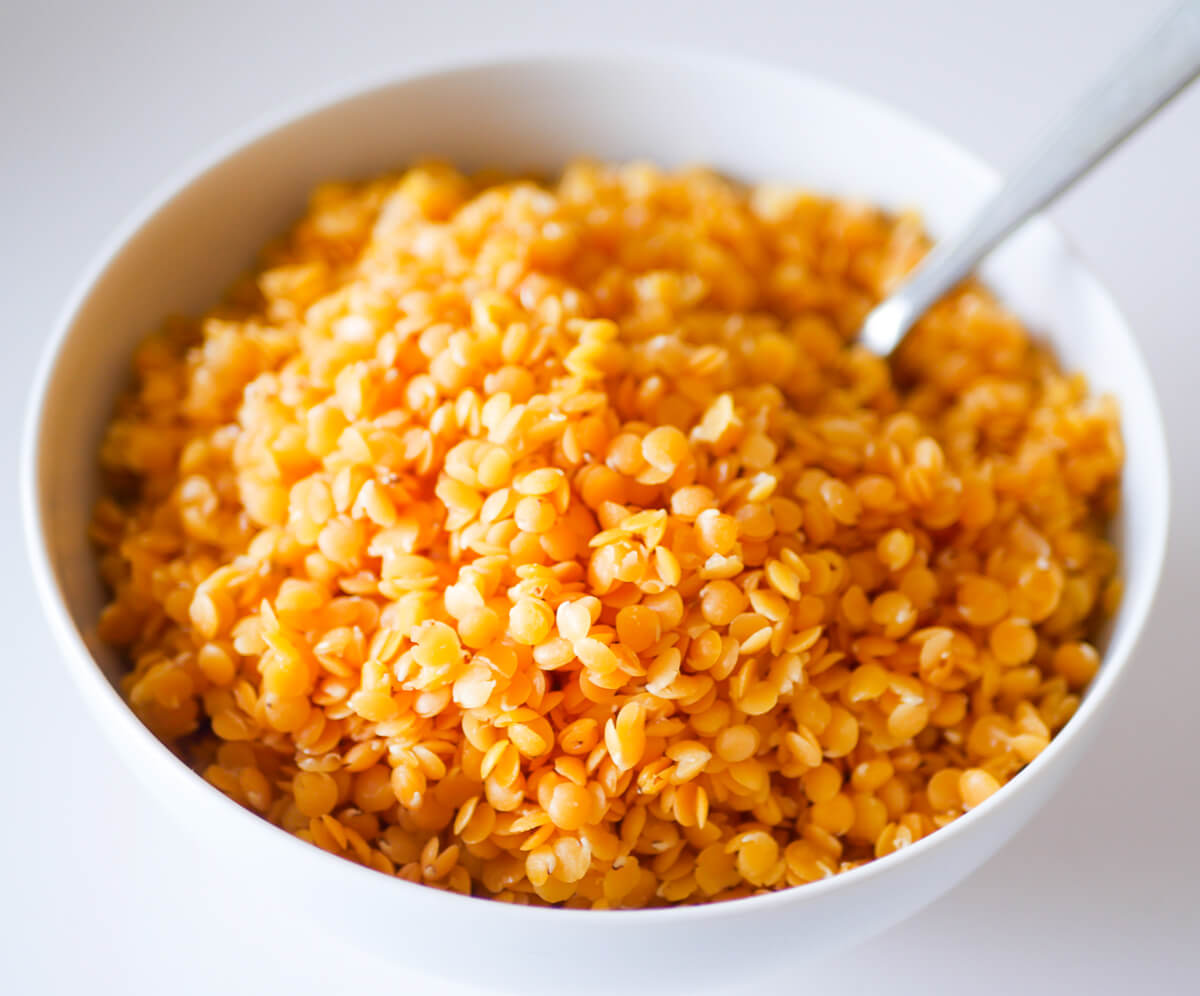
(1140, 85)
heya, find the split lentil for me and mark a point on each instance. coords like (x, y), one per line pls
(555, 543)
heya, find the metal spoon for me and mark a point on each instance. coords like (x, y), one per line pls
(1139, 86)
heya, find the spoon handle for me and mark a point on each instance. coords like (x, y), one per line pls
(1162, 65)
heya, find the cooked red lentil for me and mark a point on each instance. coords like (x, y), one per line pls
(556, 543)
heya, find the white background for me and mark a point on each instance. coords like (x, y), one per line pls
(100, 101)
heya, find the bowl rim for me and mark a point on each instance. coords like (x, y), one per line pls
(118, 720)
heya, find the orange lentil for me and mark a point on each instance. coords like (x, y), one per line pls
(638, 627)
(943, 790)
(840, 735)
(895, 613)
(736, 743)
(534, 515)
(570, 806)
(422, 561)
(869, 776)
(907, 720)
(721, 601)
(717, 532)
(1077, 662)
(529, 621)
(757, 857)
(895, 548)
(822, 783)
(975, 785)
(1013, 641)
(665, 448)
(982, 600)
(834, 815)
(316, 793)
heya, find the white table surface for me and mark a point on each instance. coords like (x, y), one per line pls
(100, 101)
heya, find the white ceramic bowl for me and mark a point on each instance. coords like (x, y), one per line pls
(181, 249)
